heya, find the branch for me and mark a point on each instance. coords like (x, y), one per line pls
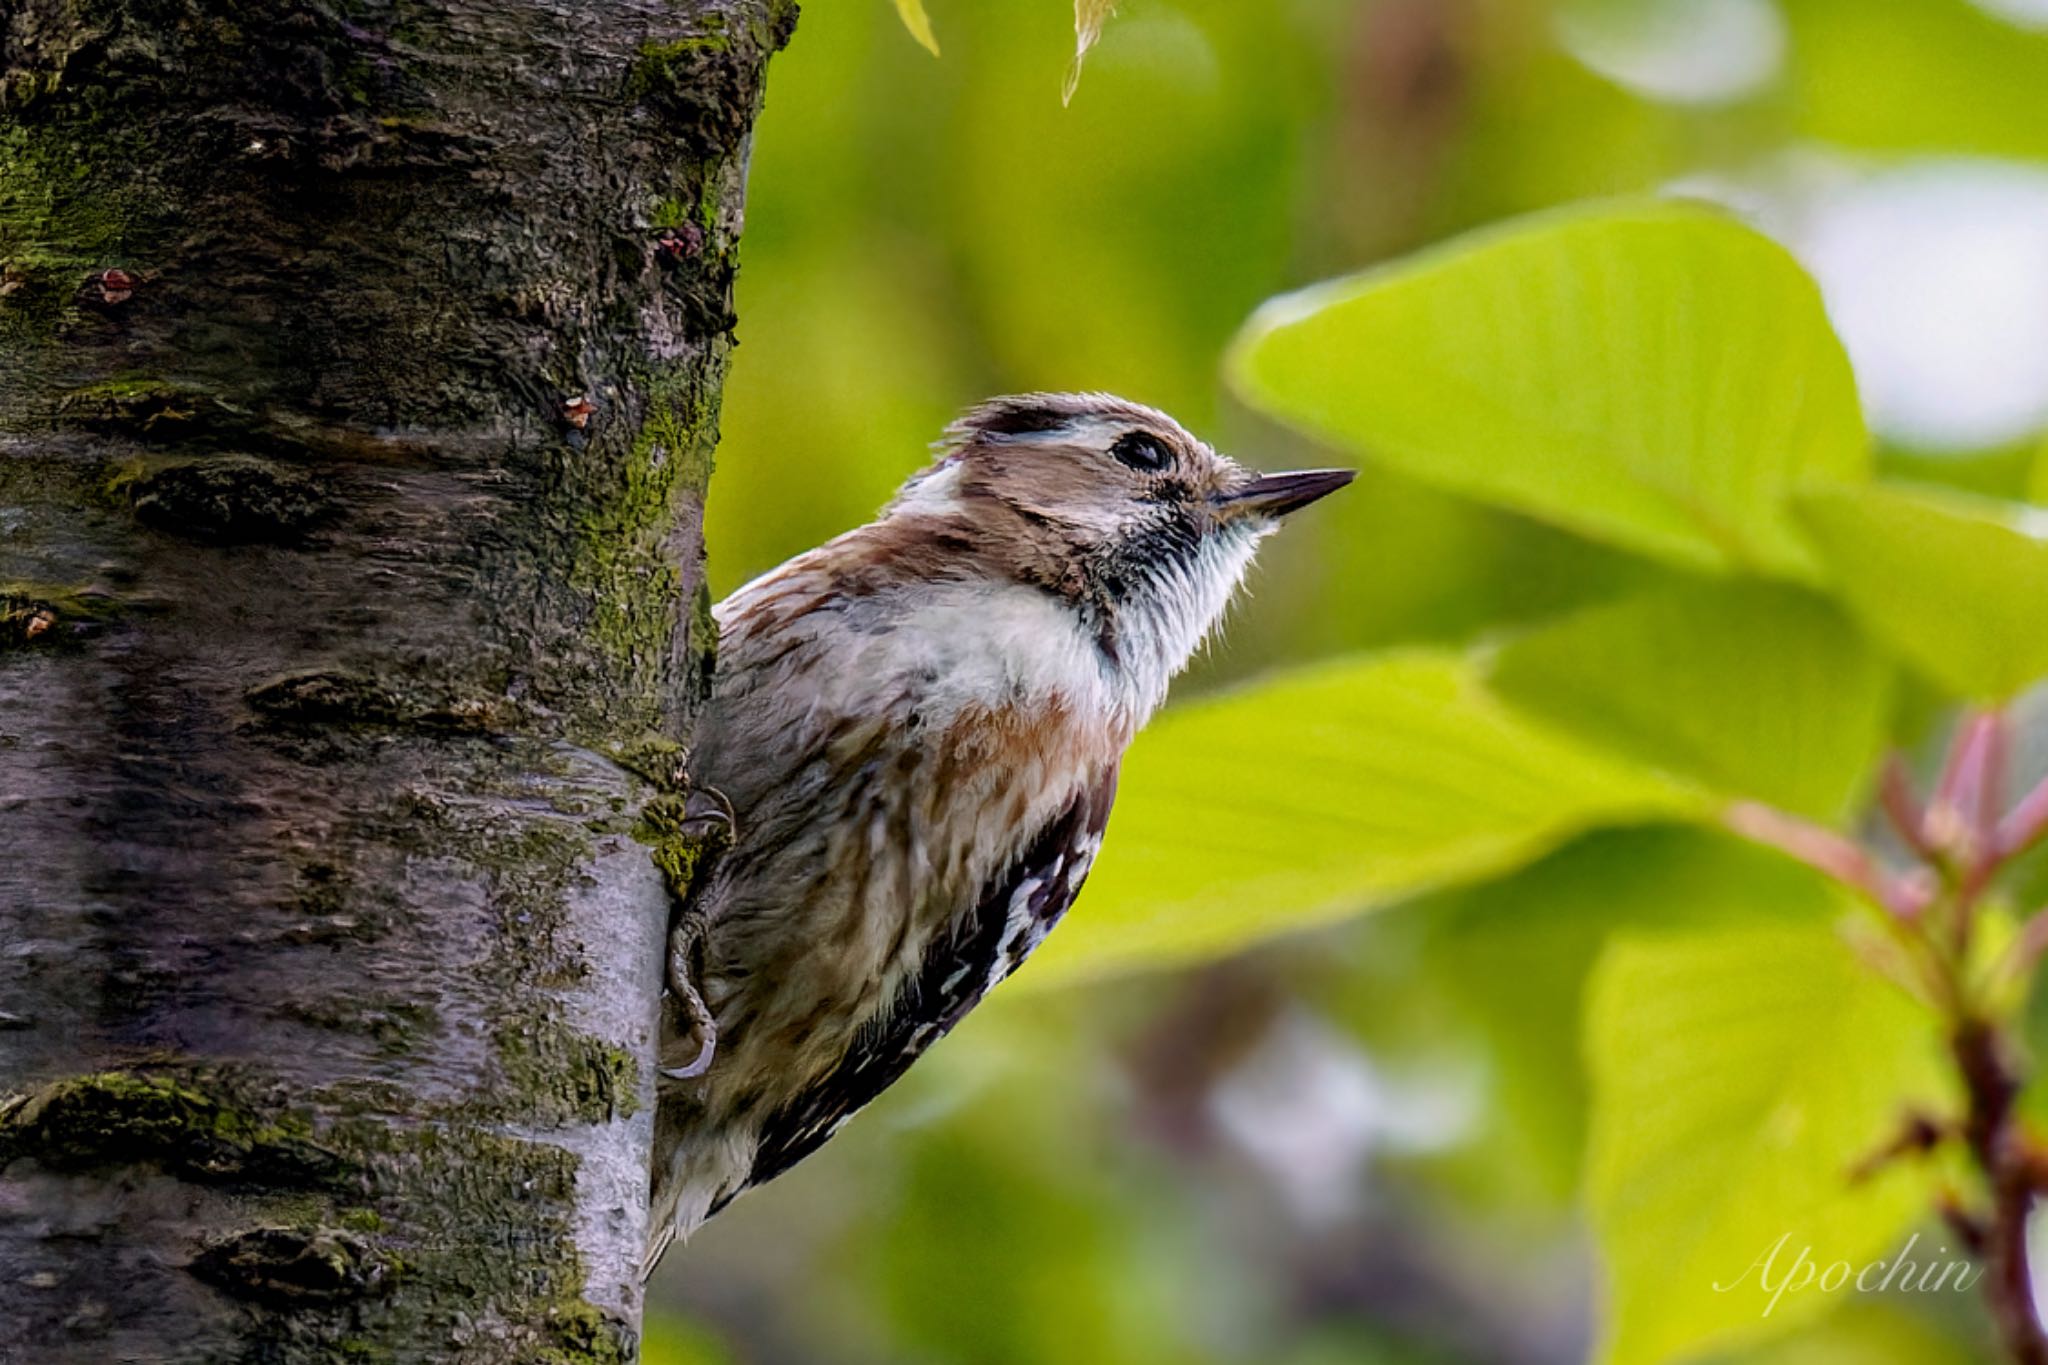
(2004, 1155)
(1904, 896)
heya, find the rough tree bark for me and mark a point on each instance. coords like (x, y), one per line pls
(361, 364)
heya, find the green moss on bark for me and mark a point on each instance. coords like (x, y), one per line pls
(681, 847)
(560, 1076)
(416, 1261)
(33, 614)
(703, 85)
(578, 1334)
(70, 203)
(118, 1118)
(625, 552)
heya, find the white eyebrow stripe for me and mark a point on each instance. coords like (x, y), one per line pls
(1065, 427)
(1085, 428)
(1103, 429)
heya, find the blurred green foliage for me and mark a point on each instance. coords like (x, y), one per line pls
(1616, 559)
(1739, 1073)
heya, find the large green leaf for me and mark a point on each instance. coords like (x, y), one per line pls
(1739, 1076)
(1651, 373)
(1957, 584)
(1515, 954)
(1323, 793)
(1755, 690)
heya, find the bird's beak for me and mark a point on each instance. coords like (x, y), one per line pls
(1275, 495)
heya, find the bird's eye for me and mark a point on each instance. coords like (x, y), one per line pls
(1142, 450)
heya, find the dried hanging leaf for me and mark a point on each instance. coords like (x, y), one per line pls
(1089, 17)
(919, 23)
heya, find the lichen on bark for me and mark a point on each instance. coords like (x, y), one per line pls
(363, 377)
(118, 1119)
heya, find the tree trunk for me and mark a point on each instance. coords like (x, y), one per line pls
(359, 365)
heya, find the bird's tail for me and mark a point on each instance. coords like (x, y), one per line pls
(697, 1170)
(658, 1238)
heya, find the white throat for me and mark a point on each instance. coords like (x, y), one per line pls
(1162, 626)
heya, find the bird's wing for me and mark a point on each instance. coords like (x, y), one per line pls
(1011, 918)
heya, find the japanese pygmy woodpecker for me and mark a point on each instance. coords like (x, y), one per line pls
(916, 728)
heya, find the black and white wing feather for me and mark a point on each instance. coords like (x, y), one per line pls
(986, 944)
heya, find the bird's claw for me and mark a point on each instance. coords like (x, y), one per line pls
(685, 937)
(707, 818)
(695, 837)
(691, 833)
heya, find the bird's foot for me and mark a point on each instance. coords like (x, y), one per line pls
(685, 945)
(691, 833)
(708, 817)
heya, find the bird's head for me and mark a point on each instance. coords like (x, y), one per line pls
(1110, 505)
